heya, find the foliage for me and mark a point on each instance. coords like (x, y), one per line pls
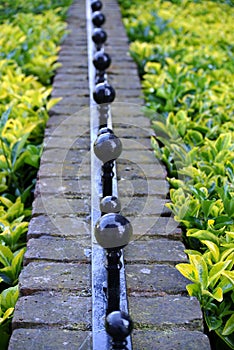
(8, 300)
(29, 36)
(185, 54)
(8, 8)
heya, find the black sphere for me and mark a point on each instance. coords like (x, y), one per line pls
(119, 325)
(110, 204)
(99, 36)
(96, 5)
(103, 93)
(98, 19)
(113, 231)
(101, 60)
(107, 147)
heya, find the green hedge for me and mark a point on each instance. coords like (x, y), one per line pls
(29, 36)
(185, 54)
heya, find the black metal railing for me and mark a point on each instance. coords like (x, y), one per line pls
(112, 230)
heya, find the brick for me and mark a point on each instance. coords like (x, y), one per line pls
(58, 249)
(68, 129)
(58, 226)
(70, 109)
(142, 187)
(49, 276)
(65, 155)
(73, 170)
(143, 206)
(51, 205)
(58, 92)
(154, 279)
(129, 170)
(161, 250)
(166, 312)
(127, 131)
(58, 186)
(73, 313)
(81, 143)
(170, 340)
(50, 339)
(144, 226)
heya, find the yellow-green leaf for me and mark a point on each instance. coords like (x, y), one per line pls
(229, 326)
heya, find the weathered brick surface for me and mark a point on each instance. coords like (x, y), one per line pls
(52, 276)
(54, 310)
(73, 313)
(170, 340)
(50, 339)
(166, 312)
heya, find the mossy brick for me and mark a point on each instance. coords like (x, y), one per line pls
(41, 309)
(50, 276)
(74, 170)
(77, 68)
(147, 226)
(59, 226)
(58, 186)
(142, 187)
(142, 156)
(169, 340)
(58, 92)
(58, 249)
(57, 155)
(50, 205)
(154, 279)
(80, 143)
(155, 250)
(129, 170)
(71, 100)
(136, 133)
(71, 108)
(166, 312)
(50, 339)
(143, 206)
(68, 129)
(74, 84)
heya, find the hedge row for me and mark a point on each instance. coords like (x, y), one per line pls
(29, 36)
(185, 54)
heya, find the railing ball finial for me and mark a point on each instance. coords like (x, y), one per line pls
(110, 204)
(96, 5)
(101, 60)
(119, 326)
(107, 147)
(103, 93)
(99, 37)
(113, 231)
(98, 18)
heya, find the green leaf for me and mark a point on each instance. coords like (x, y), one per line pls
(6, 315)
(194, 290)
(17, 148)
(229, 275)
(224, 141)
(229, 326)
(17, 262)
(213, 249)
(9, 297)
(217, 270)
(205, 235)
(6, 256)
(202, 271)
(217, 294)
(188, 271)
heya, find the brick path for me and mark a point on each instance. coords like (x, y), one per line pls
(54, 310)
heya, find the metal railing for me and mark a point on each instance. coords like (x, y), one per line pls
(111, 324)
